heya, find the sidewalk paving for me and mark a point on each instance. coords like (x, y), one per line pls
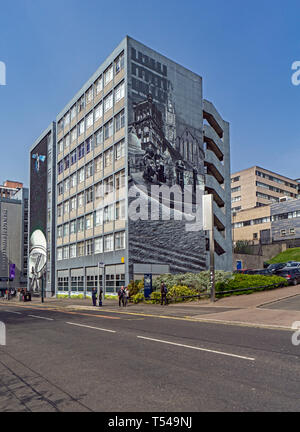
(240, 310)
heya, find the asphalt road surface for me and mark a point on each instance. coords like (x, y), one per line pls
(114, 362)
(291, 303)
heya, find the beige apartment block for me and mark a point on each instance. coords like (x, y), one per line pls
(256, 186)
(247, 225)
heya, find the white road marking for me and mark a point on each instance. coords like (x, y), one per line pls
(94, 328)
(35, 316)
(199, 349)
(17, 313)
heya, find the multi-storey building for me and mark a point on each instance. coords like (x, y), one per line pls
(140, 121)
(13, 238)
(42, 212)
(9, 188)
(252, 192)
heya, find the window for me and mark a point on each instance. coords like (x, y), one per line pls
(89, 95)
(80, 224)
(292, 231)
(73, 251)
(108, 214)
(120, 240)
(109, 185)
(89, 247)
(73, 157)
(99, 137)
(60, 146)
(81, 128)
(108, 102)
(108, 129)
(98, 164)
(235, 199)
(73, 227)
(236, 189)
(235, 179)
(255, 236)
(60, 125)
(119, 63)
(66, 252)
(81, 175)
(99, 85)
(283, 232)
(80, 150)
(120, 121)
(120, 210)
(66, 207)
(73, 112)
(67, 119)
(108, 158)
(60, 188)
(67, 184)
(98, 111)
(89, 195)
(119, 150)
(73, 180)
(66, 162)
(59, 210)
(120, 180)
(80, 104)
(59, 231)
(88, 145)
(99, 190)
(89, 221)
(108, 243)
(59, 254)
(66, 229)
(80, 199)
(80, 249)
(73, 134)
(98, 245)
(67, 141)
(60, 167)
(73, 203)
(89, 120)
(99, 217)
(119, 92)
(89, 170)
(108, 75)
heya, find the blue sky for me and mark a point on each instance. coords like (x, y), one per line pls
(243, 50)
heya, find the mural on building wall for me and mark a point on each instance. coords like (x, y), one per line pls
(38, 214)
(165, 147)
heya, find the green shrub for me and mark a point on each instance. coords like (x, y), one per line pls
(61, 296)
(155, 297)
(138, 298)
(77, 296)
(176, 293)
(133, 288)
(111, 297)
(240, 281)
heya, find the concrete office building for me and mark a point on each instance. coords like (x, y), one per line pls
(42, 212)
(139, 121)
(13, 239)
(252, 192)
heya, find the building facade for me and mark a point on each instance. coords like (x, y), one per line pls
(139, 123)
(13, 239)
(252, 192)
(285, 222)
(42, 205)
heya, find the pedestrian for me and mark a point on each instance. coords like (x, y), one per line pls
(100, 297)
(120, 294)
(164, 292)
(94, 296)
(125, 296)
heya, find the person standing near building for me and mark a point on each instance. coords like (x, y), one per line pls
(120, 294)
(100, 297)
(94, 296)
(163, 291)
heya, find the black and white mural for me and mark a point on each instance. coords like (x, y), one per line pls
(165, 148)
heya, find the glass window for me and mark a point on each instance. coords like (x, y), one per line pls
(89, 195)
(120, 121)
(66, 252)
(80, 249)
(73, 134)
(108, 158)
(99, 137)
(89, 120)
(80, 104)
(108, 243)
(120, 180)
(67, 141)
(108, 75)
(59, 254)
(99, 190)
(80, 200)
(66, 229)
(89, 95)
(119, 92)
(99, 217)
(98, 245)
(89, 247)
(73, 157)
(120, 210)
(120, 240)
(99, 164)
(66, 207)
(98, 111)
(99, 85)
(108, 129)
(89, 170)
(108, 213)
(109, 185)
(73, 112)
(81, 175)
(81, 128)
(120, 150)
(108, 102)
(89, 221)
(80, 224)
(73, 227)
(73, 203)
(73, 251)
(119, 63)
(80, 150)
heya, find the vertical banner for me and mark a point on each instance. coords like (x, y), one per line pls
(147, 285)
(12, 271)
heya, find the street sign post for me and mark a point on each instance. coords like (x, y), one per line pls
(101, 265)
(208, 225)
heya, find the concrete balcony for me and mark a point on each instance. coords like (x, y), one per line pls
(219, 217)
(213, 141)
(214, 166)
(213, 187)
(213, 117)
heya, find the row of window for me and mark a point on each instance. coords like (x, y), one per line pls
(95, 89)
(107, 243)
(267, 197)
(92, 193)
(275, 189)
(235, 199)
(104, 160)
(107, 214)
(251, 222)
(275, 179)
(236, 189)
(113, 283)
(289, 215)
(94, 116)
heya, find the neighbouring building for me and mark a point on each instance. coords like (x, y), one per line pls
(9, 188)
(13, 237)
(42, 213)
(139, 121)
(285, 222)
(253, 190)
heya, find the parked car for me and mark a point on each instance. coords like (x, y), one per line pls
(293, 264)
(275, 267)
(291, 274)
(263, 272)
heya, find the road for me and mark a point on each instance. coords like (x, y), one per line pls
(56, 360)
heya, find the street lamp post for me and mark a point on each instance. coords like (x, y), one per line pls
(208, 225)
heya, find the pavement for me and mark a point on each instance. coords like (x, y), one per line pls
(267, 309)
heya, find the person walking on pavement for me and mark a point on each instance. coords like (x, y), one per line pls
(163, 291)
(94, 296)
(100, 297)
(125, 296)
(120, 294)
